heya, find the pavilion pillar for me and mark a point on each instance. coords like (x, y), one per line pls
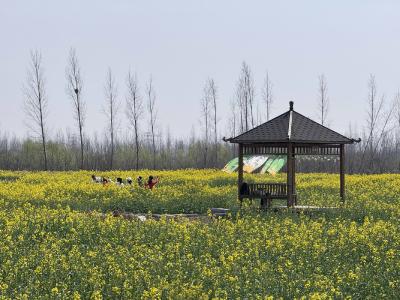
(342, 170)
(294, 177)
(240, 171)
(289, 182)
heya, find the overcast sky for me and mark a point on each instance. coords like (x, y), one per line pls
(181, 43)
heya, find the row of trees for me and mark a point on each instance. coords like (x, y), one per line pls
(378, 152)
(36, 107)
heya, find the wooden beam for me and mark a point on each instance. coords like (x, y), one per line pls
(289, 180)
(240, 171)
(342, 170)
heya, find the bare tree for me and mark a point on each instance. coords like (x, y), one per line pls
(212, 93)
(384, 131)
(233, 123)
(74, 90)
(249, 90)
(169, 148)
(373, 115)
(323, 101)
(267, 95)
(36, 100)
(258, 115)
(134, 110)
(323, 106)
(111, 111)
(233, 119)
(206, 104)
(151, 98)
(241, 105)
(397, 109)
(245, 93)
(374, 110)
(397, 124)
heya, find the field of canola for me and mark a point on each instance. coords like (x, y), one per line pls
(51, 247)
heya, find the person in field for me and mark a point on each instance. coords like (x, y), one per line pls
(96, 179)
(151, 182)
(119, 181)
(140, 181)
(129, 180)
(103, 180)
(106, 181)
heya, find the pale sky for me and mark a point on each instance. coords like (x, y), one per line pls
(182, 43)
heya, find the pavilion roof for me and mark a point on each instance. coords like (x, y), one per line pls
(291, 126)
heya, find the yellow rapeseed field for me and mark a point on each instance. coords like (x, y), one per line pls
(55, 244)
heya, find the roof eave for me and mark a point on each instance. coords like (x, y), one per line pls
(350, 141)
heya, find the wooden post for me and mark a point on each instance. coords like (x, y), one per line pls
(289, 182)
(342, 187)
(240, 171)
(294, 178)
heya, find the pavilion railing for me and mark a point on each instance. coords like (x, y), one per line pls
(272, 189)
(297, 149)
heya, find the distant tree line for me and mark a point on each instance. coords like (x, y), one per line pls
(145, 145)
(64, 153)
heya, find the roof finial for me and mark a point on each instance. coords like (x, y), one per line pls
(290, 105)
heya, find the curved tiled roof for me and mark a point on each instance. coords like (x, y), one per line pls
(291, 127)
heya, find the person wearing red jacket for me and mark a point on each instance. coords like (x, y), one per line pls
(151, 182)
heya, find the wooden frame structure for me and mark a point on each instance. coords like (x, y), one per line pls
(289, 134)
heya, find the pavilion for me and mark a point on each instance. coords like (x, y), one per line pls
(288, 134)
